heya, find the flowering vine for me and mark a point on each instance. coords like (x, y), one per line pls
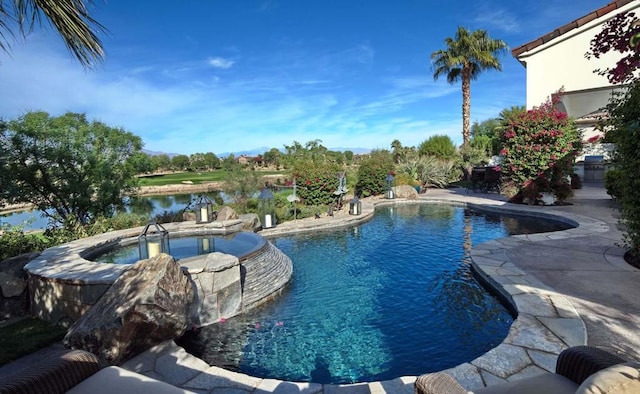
(539, 147)
(619, 34)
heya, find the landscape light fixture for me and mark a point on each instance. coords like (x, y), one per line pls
(153, 240)
(390, 194)
(355, 206)
(268, 214)
(204, 209)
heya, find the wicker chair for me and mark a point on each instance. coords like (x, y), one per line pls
(574, 366)
(53, 374)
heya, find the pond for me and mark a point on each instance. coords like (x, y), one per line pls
(392, 297)
(144, 205)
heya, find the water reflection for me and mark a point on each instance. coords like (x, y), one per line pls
(149, 206)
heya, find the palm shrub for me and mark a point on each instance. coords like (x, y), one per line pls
(539, 148)
(372, 173)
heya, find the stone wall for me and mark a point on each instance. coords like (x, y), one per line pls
(63, 284)
(14, 294)
(62, 302)
(216, 279)
(264, 275)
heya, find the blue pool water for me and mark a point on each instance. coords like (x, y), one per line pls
(391, 297)
(238, 244)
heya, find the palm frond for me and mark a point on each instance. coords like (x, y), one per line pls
(71, 20)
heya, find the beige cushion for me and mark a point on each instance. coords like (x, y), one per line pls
(542, 384)
(121, 381)
(618, 379)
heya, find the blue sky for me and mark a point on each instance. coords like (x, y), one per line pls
(228, 76)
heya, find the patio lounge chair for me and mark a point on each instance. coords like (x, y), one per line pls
(78, 372)
(580, 369)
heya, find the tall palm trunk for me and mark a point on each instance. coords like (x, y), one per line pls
(466, 105)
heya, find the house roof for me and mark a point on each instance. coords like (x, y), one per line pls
(569, 26)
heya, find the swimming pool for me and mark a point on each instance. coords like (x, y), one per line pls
(392, 297)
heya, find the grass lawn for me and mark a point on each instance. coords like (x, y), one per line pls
(26, 336)
(195, 177)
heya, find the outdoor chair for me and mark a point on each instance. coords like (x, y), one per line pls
(580, 369)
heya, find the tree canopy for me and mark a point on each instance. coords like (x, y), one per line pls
(68, 167)
(466, 56)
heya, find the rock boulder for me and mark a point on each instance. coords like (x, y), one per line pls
(148, 304)
(250, 222)
(227, 213)
(14, 297)
(406, 191)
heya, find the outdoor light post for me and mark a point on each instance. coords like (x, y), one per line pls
(153, 240)
(204, 210)
(268, 214)
(355, 206)
(390, 193)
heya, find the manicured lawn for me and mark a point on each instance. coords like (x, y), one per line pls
(195, 177)
(171, 179)
(27, 336)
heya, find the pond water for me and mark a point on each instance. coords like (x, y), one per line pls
(394, 296)
(145, 205)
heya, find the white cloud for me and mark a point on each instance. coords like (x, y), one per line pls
(220, 62)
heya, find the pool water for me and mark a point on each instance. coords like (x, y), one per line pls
(238, 244)
(391, 297)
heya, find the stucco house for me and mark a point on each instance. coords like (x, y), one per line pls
(557, 61)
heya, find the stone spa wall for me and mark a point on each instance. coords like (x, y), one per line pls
(63, 284)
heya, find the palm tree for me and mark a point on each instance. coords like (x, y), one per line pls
(69, 17)
(465, 58)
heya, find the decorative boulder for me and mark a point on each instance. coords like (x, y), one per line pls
(406, 191)
(148, 304)
(250, 222)
(14, 297)
(227, 213)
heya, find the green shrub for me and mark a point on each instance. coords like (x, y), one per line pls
(402, 178)
(624, 180)
(14, 241)
(613, 183)
(316, 182)
(373, 172)
(440, 146)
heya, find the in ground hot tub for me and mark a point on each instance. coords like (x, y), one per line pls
(64, 283)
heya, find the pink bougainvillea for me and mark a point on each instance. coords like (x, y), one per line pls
(619, 34)
(538, 152)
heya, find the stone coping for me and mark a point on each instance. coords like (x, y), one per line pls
(546, 323)
(67, 262)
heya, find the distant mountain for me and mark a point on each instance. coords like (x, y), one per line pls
(154, 153)
(357, 151)
(255, 152)
(250, 152)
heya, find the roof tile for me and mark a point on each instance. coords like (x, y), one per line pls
(570, 26)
